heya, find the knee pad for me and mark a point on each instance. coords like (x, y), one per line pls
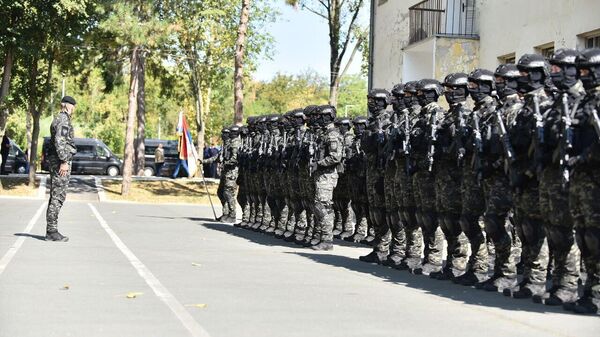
(592, 241)
(469, 224)
(494, 227)
(429, 221)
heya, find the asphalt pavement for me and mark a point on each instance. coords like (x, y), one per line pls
(171, 270)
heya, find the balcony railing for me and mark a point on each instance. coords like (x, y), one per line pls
(442, 17)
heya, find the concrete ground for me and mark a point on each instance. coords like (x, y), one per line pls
(193, 277)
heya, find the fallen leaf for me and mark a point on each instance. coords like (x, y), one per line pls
(198, 305)
(196, 264)
(65, 287)
(133, 295)
(114, 212)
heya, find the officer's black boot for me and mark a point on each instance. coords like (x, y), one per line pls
(56, 236)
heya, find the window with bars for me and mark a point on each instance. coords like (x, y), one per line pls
(546, 50)
(508, 58)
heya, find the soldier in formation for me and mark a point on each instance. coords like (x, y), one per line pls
(519, 171)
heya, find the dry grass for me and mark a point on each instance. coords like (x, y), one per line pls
(18, 187)
(164, 191)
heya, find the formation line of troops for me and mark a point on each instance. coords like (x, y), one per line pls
(517, 178)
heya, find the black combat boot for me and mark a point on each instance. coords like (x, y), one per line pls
(374, 257)
(323, 246)
(56, 236)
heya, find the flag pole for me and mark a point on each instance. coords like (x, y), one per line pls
(207, 193)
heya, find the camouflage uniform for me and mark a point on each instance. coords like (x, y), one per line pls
(307, 183)
(497, 191)
(554, 201)
(372, 145)
(450, 140)
(528, 217)
(341, 193)
(584, 193)
(356, 172)
(406, 201)
(423, 182)
(328, 157)
(61, 150)
(229, 175)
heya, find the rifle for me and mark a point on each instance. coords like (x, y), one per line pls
(596, 122)
(567, 139)
(393, 133)
(406, 142)
(458, 138)
(539, 131)
(478, 143)
(311, 154)
(432, 140)
(508, 150)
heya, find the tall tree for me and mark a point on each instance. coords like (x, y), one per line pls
(341, 16)
(238, 76)
(136, 27)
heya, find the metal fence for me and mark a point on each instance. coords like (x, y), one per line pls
(442, 17)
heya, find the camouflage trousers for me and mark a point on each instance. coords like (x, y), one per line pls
(307, 194)
(423, 183)
(449, 205)
(530, 228)
(341, 205)
(227, 191)
(498, 203)
(243, 196)
(360, 204)
(325, 182)
(406, 209)
(294, 203)
(584, 194)
(58, 193)
(376, 196)
(558, 223)
(473, 207)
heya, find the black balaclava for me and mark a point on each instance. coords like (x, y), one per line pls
(507, 88)
(398, 103)
(359, 129)
(591, 80)
(427, 96)
(410, 100)
(456, 94)
(566, 78)
(483, 90)
(533, 81)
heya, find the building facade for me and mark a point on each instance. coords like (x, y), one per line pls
(412, 39)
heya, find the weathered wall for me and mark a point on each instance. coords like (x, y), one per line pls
(455, 55)
(508, 26)
(391, 35)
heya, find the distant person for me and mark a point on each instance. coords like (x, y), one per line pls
(60, 155)
(159, 159)
(5, 150)
(180, 163)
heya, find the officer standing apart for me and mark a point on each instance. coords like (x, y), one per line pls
(159, 159)
(60, 154)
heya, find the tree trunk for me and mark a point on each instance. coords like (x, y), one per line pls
(4, 89)
(32, 114)
(129, 132)
(140, 159)
(36, 113)
(334, 52)
(238, 76)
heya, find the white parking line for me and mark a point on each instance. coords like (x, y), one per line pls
(42, 189)
(195, 329)
(12, 251)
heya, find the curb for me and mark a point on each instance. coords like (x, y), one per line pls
(100, 189)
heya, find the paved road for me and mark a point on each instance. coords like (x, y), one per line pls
(251, 284)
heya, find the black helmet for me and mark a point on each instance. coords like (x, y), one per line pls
(456, 80)
(429, 84)
(508, 70)
(411, 87)
(564, 70)
(506, 79)
(234, 130)
(564, 56)
(343, 121)
(589, 59)
(481, 75)
(398, 90)
(327, 110)
(481, 84)
(379, 94)
(530, 62)
(410, 93)
(360, 120)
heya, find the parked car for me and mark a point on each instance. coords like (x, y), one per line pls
(17, 160)
(171, 155)
(92, 157)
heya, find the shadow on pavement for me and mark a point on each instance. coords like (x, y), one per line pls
(258, 237)
(33, 236)
(445, 289)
